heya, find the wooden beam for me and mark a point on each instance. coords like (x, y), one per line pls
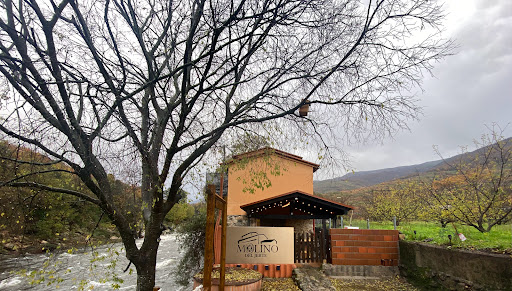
(324, 241)
(223, 235)
(219, 202)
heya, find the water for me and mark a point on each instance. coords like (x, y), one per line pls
(69, 270)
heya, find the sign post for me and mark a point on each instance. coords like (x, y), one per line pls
(214, 201)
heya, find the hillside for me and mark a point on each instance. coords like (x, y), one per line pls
(362, 179)
(357, 180)
(35, 220)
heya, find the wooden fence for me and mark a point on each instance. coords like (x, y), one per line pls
(312, 247)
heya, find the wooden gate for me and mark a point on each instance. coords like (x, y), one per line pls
(312, 247)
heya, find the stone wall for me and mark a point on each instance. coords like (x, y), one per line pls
(360, 271)
(436, 267)
(300, 225)
(237, 220)
(312, 279)
(373, 247)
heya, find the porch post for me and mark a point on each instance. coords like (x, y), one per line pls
(324, 240)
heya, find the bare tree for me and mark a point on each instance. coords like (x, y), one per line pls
(479, 193)
(102, 84)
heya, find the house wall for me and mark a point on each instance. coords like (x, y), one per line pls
(282, 175)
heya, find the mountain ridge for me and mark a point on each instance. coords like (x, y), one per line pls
(360, 179)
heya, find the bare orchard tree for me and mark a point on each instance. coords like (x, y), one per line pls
(96, 83)
(401, 199)
(479, 193)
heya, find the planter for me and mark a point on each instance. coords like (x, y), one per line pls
(237, 279)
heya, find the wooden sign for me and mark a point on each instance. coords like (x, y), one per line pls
(259, 245)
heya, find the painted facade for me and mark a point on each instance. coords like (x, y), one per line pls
(266, 173)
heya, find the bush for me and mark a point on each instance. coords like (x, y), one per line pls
(191, 236)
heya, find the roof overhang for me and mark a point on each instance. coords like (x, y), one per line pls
(269, 151)
(295, 205)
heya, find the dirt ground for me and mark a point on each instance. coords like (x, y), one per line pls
(393, 284)
(279, 284)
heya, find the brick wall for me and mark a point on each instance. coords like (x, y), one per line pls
(373, 247)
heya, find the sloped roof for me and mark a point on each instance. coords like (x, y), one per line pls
(282, 154)
(295, 205)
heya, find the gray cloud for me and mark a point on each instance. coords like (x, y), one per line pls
(470, 90)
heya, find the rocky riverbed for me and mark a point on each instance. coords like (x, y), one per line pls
(101, 269)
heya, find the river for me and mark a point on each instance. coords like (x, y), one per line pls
(69, 271)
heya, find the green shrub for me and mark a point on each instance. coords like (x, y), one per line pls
(191, 236)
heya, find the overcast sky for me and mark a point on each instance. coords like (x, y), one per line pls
(470, 90)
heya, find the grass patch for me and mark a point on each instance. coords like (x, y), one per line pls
(498, 240)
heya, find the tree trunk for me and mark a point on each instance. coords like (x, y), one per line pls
(146, 268)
